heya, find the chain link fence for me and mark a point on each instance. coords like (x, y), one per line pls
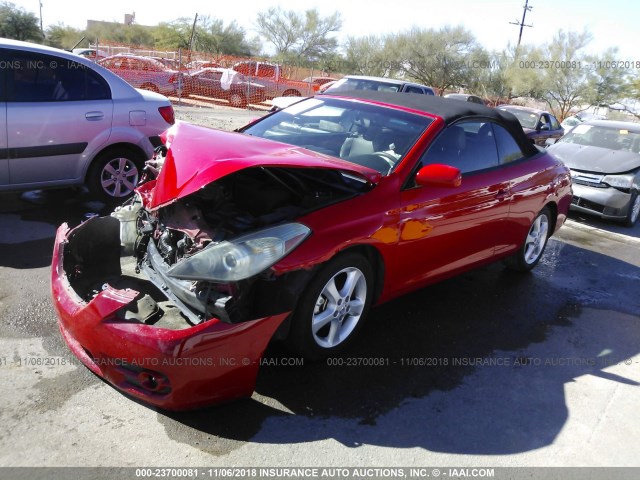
(198, 79)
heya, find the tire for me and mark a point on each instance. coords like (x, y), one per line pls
(333, 307)
(529, 254)
(237, 100)
(151, 87)
(634, 210)
(114, 175)
(291, 93)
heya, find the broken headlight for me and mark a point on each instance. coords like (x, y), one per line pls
(243, 257)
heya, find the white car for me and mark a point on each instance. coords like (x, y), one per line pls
(66, 121)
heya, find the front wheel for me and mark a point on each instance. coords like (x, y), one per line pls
(634, 210)
(333, 307)
(114, 175)
(531, 251)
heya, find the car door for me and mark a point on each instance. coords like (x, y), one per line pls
(4, 152)
(443, 229)
(56, 108)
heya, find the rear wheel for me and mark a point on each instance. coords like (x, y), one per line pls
(333, 307)
(115, 174)
(534, 244)
(291, 93)
(237, 100)
(634, 210)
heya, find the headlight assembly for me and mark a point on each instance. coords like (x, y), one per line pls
(619, 181)
(243, 257)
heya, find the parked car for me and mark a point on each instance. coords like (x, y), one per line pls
(90, 53)
(67, 121)
(143, 72)
(297, 224)
(239, 92)
(465, 97)
(604, 158)
(570, 122)
(359, 82)
(273, 78)
(317, 82)
(538, 125)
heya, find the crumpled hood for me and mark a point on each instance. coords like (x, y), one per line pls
(198, 156)
(594, 159)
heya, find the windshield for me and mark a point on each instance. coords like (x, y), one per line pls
(604, 137)
(348, 84)
(374, 136)
(526, 119)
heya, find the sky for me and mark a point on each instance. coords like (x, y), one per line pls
(613, 23)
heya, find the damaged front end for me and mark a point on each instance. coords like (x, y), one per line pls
(172, 298)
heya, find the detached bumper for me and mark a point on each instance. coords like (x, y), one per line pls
(208, 363)
(606, 203)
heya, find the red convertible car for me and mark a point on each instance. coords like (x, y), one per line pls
(293, 228)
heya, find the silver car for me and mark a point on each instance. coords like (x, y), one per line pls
(67, 121)
(604, 158)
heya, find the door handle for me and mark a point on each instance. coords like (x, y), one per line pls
(93, 116)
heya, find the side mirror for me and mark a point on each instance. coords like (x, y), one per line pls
(439, 175)
(543, 127)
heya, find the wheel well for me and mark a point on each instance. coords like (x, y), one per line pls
(371, 254)
(374, 257)
(553, 210)
(134, 149)
(291, 92)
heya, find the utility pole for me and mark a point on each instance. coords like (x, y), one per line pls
(526, 8)
(41, 29)
(193, 31)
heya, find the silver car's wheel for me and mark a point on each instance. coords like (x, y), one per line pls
(529, 254)
(332, 308)
(339, 307)
(115, 175)
(634, 210)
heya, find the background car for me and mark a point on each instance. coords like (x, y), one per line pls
(604, 158)
(143, 72)
(538, 125)
(570, 122)
(67, 121)
(293, 228)
(208, 83)
(379, 84)
(317, 82)
(465, 97)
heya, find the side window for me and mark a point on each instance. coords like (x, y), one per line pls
(554, 123)
(545, 124)
(34, 77)
(411, 89)
(508, 149)
(469, 146)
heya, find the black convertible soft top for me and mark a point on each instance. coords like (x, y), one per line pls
(449, 109)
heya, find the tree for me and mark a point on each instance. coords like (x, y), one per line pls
(299, 37)
(61, 36)
(368, 56)
(608, 79)
(439, 58)
(18, 24)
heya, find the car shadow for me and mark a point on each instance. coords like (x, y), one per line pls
(476, 364)
(28, 223)
(608, 225)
